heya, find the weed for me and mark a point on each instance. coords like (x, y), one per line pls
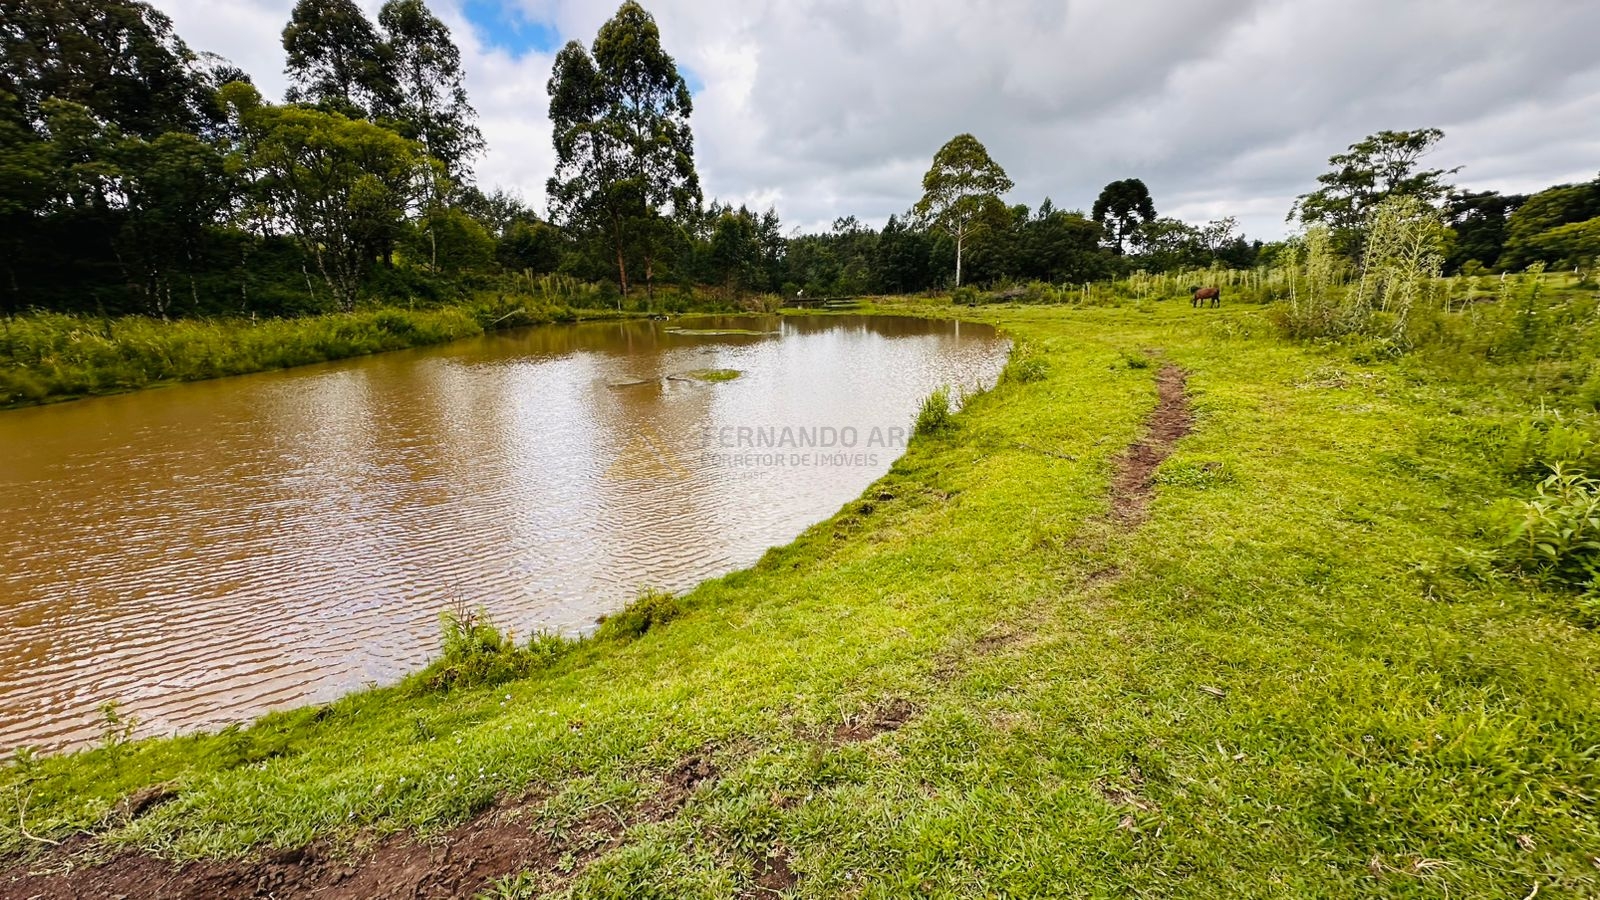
(935, 416)
(1549, 440)
(651, 609)
(1557, 533)
(1026, 369)
(1134, 360)
(475, 652)
(521, 886)
(116, 727)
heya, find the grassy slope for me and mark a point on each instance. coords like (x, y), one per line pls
(45, 357)
(1382, 731)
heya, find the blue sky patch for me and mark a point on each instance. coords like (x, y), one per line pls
(506, 27)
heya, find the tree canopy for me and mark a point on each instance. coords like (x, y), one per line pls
(1370, 171)
(624, 150)
(961, 192)
(118, 59)
(337, 60)
(432, 99)
(1121, 208)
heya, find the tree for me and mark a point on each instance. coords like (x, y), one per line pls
(25, 182)
(530, 246)
(961, 191)
(624, 151)
(337, 61)
(449, 241)
(1574, 244)
(901, 258)
(1058, 246)
(1382, 166)
(498, 210)
(735, 253)
(1164, 244)
(1550, 208)
(433, 103)
(173, 189)
(119, 59)
(1121, 208)
(342, 186)
(1479, 220)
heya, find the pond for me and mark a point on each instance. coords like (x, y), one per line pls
(207, 552)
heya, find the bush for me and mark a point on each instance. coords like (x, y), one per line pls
(935, 415)
(1025, 368)
(1549, 441)
(1556, 535)
(476, 653)
(651, 610)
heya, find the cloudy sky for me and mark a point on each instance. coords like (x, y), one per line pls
(824, 108)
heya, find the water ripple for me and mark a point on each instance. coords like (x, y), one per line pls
(206, 553)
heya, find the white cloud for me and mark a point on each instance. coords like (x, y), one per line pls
(1224, 107)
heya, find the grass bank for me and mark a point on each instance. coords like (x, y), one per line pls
(52, 356)
(1285, 677)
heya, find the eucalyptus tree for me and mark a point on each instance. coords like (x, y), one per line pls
(1121, 209)
(426, 65)
(337, 60)
(624, 151)
(119, 59)
(961, 192)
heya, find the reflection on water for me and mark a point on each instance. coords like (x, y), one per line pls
(207, 552)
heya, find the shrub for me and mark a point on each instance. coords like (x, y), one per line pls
(1134, 360)
(935, 415)
(1026, 369)
(475, 653)
(651, 609)
(1550, 441)
(1556, 534)
(966, 295)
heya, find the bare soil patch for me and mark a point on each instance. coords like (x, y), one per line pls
(1134, 481)
(886, 717)
(503, 840)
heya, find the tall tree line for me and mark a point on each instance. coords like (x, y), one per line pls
(138, 175)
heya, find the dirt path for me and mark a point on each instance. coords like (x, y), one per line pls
(1134, 482)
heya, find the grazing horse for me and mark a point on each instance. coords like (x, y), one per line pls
(1199, 295)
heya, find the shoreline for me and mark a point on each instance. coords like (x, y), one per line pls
(983, 644)
(372, 331)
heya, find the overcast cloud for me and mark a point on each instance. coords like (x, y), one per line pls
(825, 108)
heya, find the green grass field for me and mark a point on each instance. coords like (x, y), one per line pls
(976, 681)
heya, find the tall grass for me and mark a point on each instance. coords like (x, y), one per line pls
(47, 356)
(936, 415)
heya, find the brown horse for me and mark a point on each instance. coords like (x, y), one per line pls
(1199, 295)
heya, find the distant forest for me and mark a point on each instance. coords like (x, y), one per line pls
(138, 176)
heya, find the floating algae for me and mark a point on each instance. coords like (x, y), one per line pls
(719, 332)
(712, 375)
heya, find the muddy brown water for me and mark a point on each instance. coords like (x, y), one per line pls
(207, 552)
